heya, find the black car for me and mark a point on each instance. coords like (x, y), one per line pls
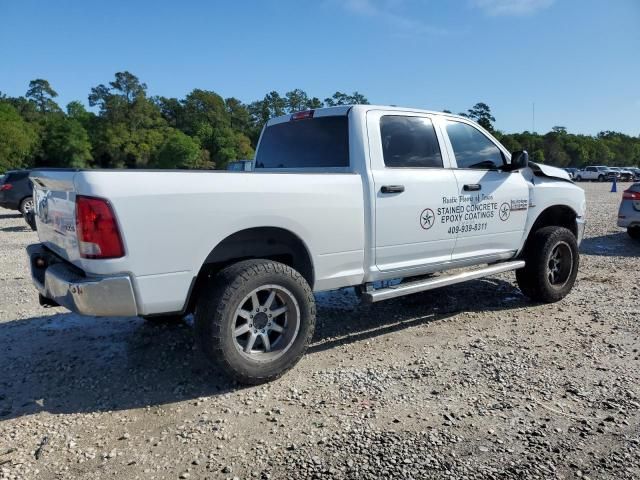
(16, 191)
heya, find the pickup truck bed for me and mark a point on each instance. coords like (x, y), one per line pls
(166, 215)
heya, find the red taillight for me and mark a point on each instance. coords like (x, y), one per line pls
(302, 115)
(630, 195)
(6, 186)
(97, 230)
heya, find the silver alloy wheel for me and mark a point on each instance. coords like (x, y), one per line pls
(266, 323)
(27, 206)
(560, 265)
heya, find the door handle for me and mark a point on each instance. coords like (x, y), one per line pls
(472, 187)
(392, 189)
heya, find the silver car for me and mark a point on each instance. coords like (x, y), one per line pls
(629, 213)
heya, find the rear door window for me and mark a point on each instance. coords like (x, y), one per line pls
(409, 142)
(472, 148)
(321, 142)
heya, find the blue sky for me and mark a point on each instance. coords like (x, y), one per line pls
(578, 60)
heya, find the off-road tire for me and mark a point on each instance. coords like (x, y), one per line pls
(215, 318)
(533, 279)
(634, 232)
(24, 205)
(30, 218)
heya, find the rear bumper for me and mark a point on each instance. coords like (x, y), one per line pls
(64, 284)
(627, 215)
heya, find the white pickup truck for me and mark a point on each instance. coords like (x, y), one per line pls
(338, 197)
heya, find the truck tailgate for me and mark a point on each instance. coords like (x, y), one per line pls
(54, 198)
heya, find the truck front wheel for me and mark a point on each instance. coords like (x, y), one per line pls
(255, 319)
(551, 265)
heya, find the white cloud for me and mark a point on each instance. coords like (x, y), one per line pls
(511, 7)
(387, 12)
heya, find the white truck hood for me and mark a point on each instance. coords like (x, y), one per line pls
(548, 171)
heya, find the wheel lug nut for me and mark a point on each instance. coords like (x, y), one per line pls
(270, 315)
(262, 330)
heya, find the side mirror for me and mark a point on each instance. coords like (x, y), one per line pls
(519, 159)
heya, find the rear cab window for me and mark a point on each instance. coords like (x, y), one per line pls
(313, 143)
(472, 148)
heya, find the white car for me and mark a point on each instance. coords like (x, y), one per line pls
(339, 197)
(629, 212)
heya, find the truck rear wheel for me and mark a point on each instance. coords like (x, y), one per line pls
(255, 319)
(551, 265)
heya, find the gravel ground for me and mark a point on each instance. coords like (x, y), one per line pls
(469, 381)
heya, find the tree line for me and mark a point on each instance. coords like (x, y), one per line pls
(561, 148)
(130, 129)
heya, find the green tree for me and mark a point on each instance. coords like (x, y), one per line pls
(18, 139)
(211, 120)
(42, 94)
(239, 116)
(481, 114)
(170, 108)
(131, 128)
(340, 98)
(180, 151)
(537, 156)
(272, 105)
(65, 143)
(296, 100)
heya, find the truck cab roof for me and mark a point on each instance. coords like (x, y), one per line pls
(345, 109)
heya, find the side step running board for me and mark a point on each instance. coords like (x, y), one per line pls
(442, 281)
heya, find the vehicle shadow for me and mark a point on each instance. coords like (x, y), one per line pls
(341, 323)
(20, 228)
(618, 244)
(68, 363)
(10, 215)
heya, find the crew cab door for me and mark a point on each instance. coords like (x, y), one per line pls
(492, 203)
(411, 177)
(591, 173)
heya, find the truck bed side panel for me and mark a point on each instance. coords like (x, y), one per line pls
(171, 221)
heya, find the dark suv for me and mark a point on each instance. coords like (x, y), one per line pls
(16, 191)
